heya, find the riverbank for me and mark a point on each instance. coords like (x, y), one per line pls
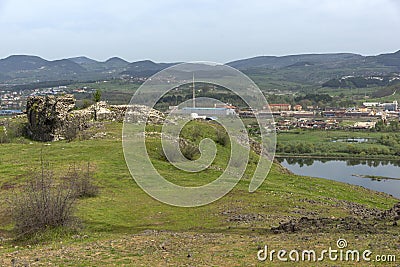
(334, 144)
(338, 156)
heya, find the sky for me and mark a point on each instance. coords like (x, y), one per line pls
(196, 30)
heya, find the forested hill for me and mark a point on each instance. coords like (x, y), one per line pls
(305, 68)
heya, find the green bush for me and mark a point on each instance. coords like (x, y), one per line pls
(189, 151)
(222, 138)
(11, 129)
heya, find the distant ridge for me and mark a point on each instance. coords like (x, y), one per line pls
(284, 61)
(391, 59)
(21, 66)
(315, 67)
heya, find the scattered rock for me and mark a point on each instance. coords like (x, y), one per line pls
(98, 135)
(392, 214)
(363, 219)
(306, 224)
(245, 217)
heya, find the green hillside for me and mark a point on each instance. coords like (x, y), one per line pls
(125, 226)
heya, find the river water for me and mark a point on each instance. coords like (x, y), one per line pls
(344, 171)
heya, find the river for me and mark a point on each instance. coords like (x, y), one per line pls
(348, 171)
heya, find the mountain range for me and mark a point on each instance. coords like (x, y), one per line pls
(312, 68)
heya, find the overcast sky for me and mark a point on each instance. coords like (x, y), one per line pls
(185, 30)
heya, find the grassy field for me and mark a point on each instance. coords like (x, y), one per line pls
(335, 144)
(125, 226)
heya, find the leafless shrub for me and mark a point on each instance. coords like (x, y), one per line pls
(43, 204)
(82, 182)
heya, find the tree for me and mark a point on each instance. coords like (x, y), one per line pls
(96, 99)
(394, 126)
(380, 126)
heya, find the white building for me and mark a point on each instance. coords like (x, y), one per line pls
(208, 111)
(385, 106)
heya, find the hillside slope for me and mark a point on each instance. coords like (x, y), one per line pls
(125, 226)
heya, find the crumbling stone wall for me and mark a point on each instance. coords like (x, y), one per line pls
(47, 116)
(136, 113)
(52, 117)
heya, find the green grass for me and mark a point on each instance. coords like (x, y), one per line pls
(123, 209)
(123, 206)
(323, 145)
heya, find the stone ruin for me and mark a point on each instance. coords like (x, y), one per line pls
(51, 117)
(47, 116)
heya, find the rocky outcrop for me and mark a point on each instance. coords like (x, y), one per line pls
(53, 118)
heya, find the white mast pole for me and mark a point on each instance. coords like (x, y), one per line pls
(194, 95)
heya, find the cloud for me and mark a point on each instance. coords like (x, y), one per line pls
(178, 30)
